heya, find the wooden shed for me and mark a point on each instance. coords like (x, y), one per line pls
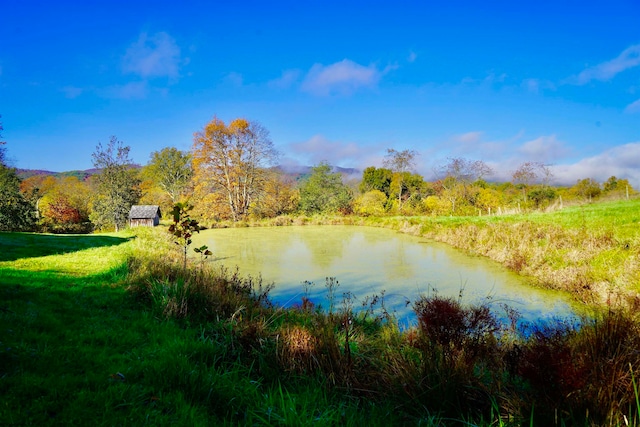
(144, 216)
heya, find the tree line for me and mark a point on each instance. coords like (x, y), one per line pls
(231, 174)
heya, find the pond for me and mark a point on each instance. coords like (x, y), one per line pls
(366, 261)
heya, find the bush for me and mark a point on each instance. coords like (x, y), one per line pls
(79, 228)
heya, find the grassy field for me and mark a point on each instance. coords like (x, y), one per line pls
(77, 348)
(109, 330)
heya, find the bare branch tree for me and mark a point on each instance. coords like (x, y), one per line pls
(400, 162)
(466, 171)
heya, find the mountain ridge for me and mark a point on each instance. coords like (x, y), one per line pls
(295, 171)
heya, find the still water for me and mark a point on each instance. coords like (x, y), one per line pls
(367, 260)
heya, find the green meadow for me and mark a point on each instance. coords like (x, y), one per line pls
(109, 329)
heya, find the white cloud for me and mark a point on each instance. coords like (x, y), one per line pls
(634, 107)
(133, 90)
(469, 137)
(537, 85)
(629, 58)
(318, 148)
(621, 161)
(545, 149)
(472, 145)
(72, 92)
(155, 55)
(234, 79)
(412, 57)
(344, 77)
(286, 80)
(493, 78)
(532, 85)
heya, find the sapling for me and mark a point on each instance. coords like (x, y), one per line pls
(204, 254)
(183, 228)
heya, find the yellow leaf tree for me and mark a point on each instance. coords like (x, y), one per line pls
(232, 159)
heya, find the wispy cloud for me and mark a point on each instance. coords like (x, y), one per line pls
(544, 149)
(72, 92)
(634, 107)
(472, 145)
(133, 90)
(286, 80)
(468, 137)
(629, 58)
(537, 85)
(344, 77)
(349, 154)
(153, 55)
(234, 79)
(489, 80)
(412, 57)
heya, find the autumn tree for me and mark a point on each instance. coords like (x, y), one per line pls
(279, 196)
(16, 213)
(541, 197)
(2, 145)
(528, 172)
(370, 203)
(35, 188)
(324, 192)
(232, 159)
(462, 179)
(620, 186)
(587, 188)
(400, 162)
(62, 212)
(376, 179)
(117, 185)
(64, 204)
(466, 171)
(169, 169)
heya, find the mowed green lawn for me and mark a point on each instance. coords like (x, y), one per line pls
(75, 349)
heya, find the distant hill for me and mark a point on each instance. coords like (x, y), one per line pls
(81, 175)
(295, 171)
(299, 172)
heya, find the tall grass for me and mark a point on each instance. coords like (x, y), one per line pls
(590, 251)
(457, 364)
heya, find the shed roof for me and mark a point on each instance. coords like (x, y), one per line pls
(144, 211)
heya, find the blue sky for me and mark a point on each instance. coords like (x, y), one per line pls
(556, 82)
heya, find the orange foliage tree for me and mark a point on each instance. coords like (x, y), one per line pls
(231, 160)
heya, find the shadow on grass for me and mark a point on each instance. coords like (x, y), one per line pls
(14, 246)
(63, 341)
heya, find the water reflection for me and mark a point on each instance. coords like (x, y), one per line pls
(368, 260)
